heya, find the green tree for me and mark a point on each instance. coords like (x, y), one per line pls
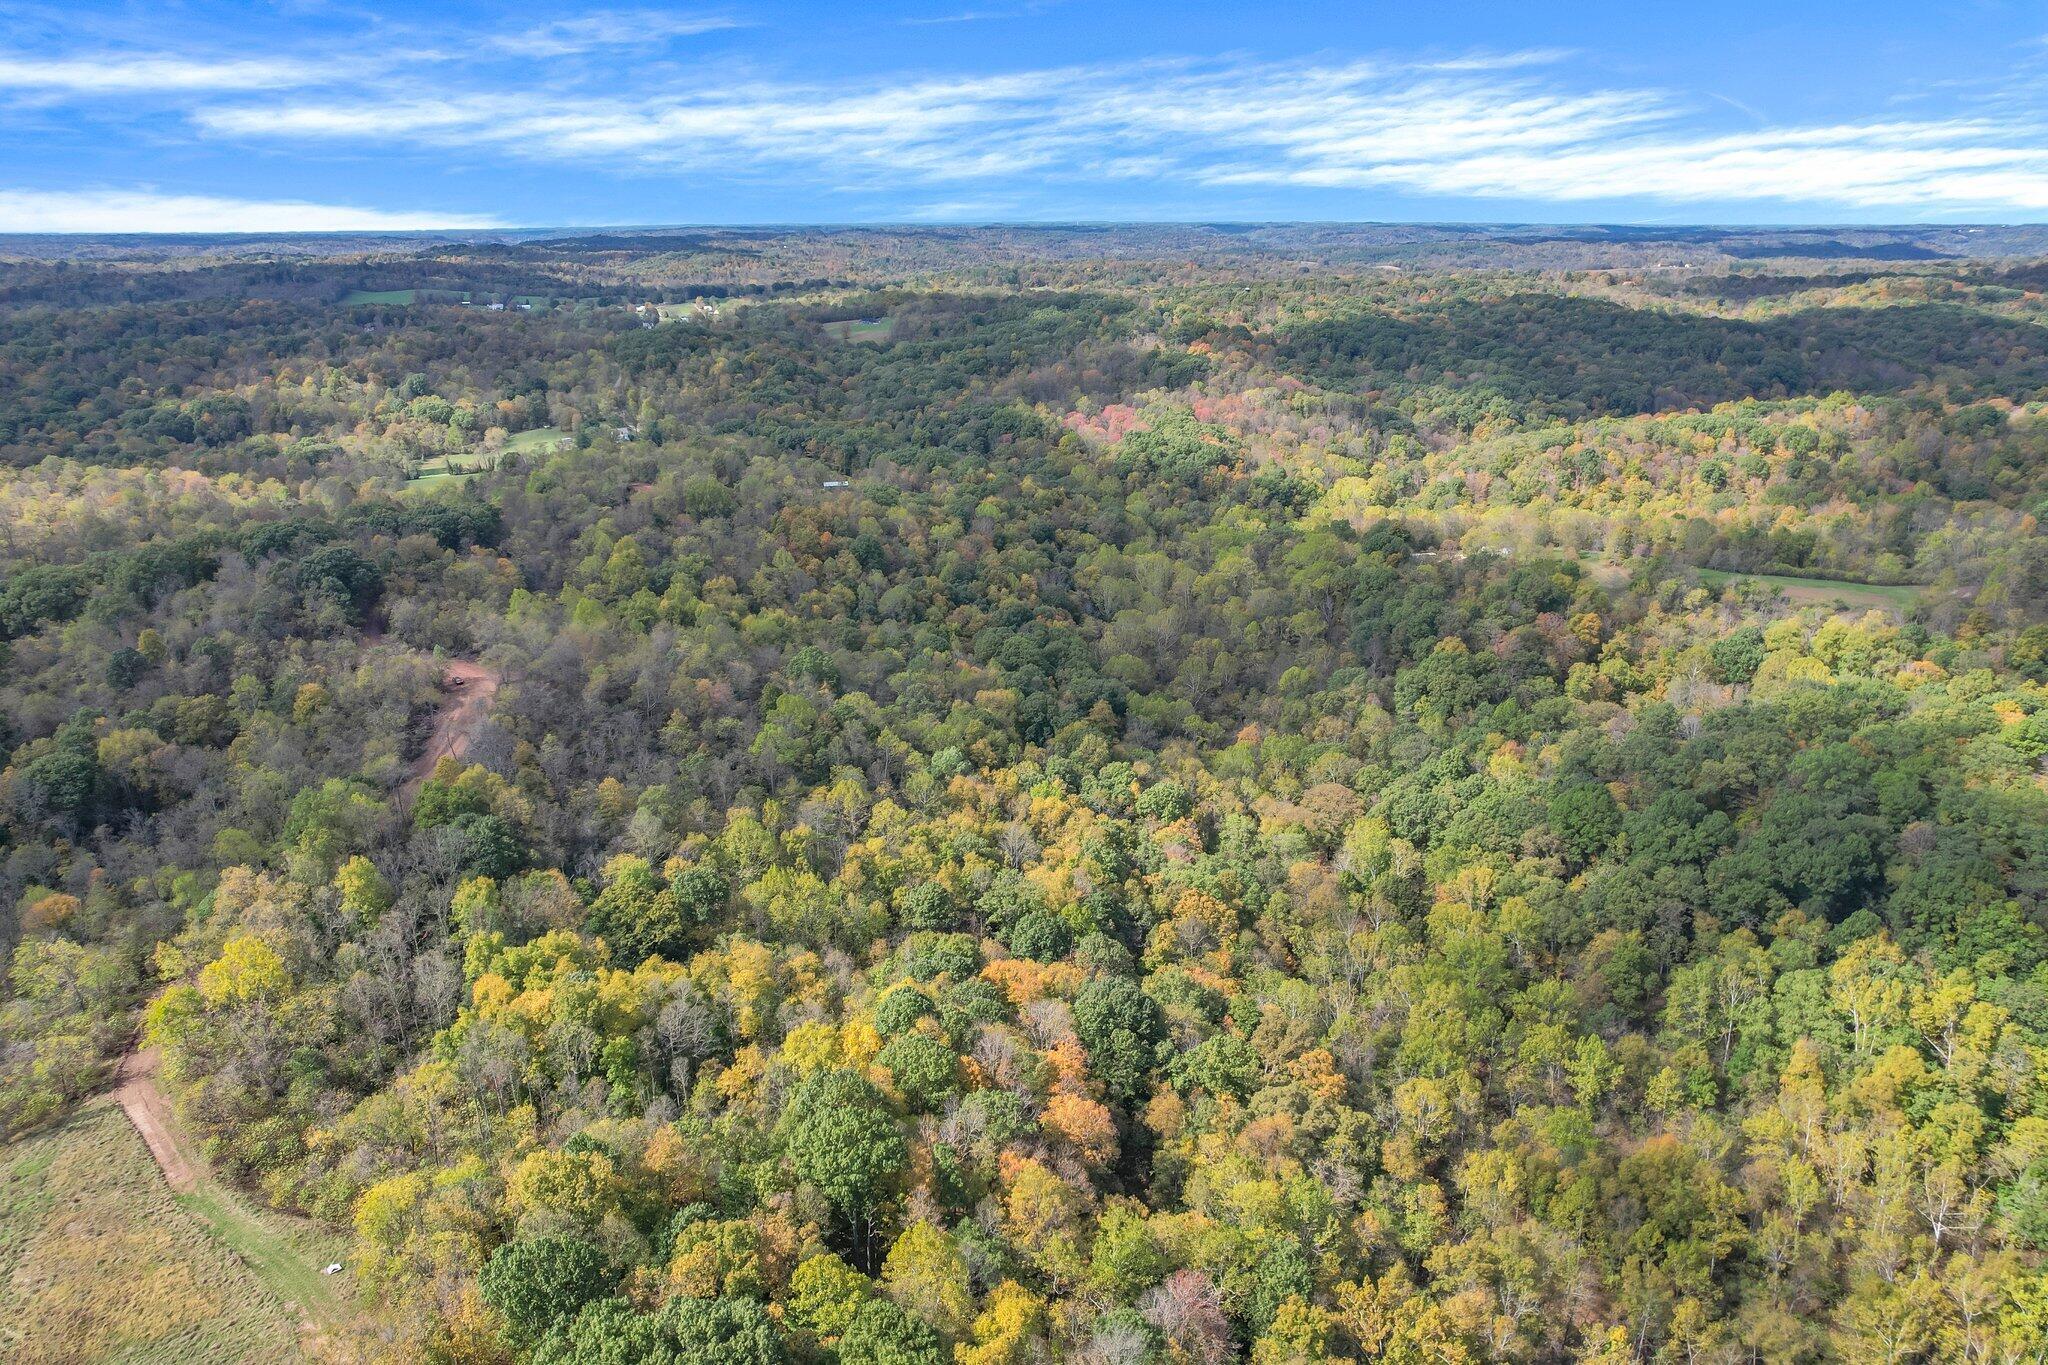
(924, 1069)
(883, 1334)
(721, 1332)
(1122, 1028)
(841, 1138)
(537, 1282)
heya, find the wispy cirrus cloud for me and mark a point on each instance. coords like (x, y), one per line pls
(991, 210)
(1516, 125)
(1959, 165)
(114, 72)
(147, 210)
(609, 29)
(1028, 9)
(1454, 129)
(129, 73)
(1359, 112)
(937, 129)
(1170, 118)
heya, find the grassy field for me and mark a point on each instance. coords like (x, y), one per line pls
(100, 1262)
(1821, 591)
(461, 464)
(448, 469)
(861, 329)
(538, 439)
(408, 296)
(286, 1255)
(1802, 592)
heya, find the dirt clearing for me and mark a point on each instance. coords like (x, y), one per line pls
(468, 688)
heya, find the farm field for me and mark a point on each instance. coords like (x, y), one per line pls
(99, 1261)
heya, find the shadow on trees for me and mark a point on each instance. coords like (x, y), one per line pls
(1576, 357)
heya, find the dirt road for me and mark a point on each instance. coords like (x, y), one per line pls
(287, 1255)
(150, 1112)
(468, 687)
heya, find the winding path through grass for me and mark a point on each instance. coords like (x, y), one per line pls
(288, 1255)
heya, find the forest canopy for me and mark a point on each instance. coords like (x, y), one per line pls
(864, 800)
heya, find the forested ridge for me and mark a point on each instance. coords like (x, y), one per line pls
(1052, 806)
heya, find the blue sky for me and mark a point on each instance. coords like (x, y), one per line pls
(216, 116)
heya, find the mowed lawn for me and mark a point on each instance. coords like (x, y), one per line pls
(538, 439)
(448, 468)
(100, 1262)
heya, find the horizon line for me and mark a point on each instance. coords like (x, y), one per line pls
(1055, 224)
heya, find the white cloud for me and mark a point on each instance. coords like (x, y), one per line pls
(1361, 111)
(457, 118)
(612, 28)
(962, 211)
(1512, 125)
(1160, 120)
(116, 73)
(1500, 61)
(938, 129)
(1953, 166)
(970, 16)
(111, 210)
(1028, 9)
